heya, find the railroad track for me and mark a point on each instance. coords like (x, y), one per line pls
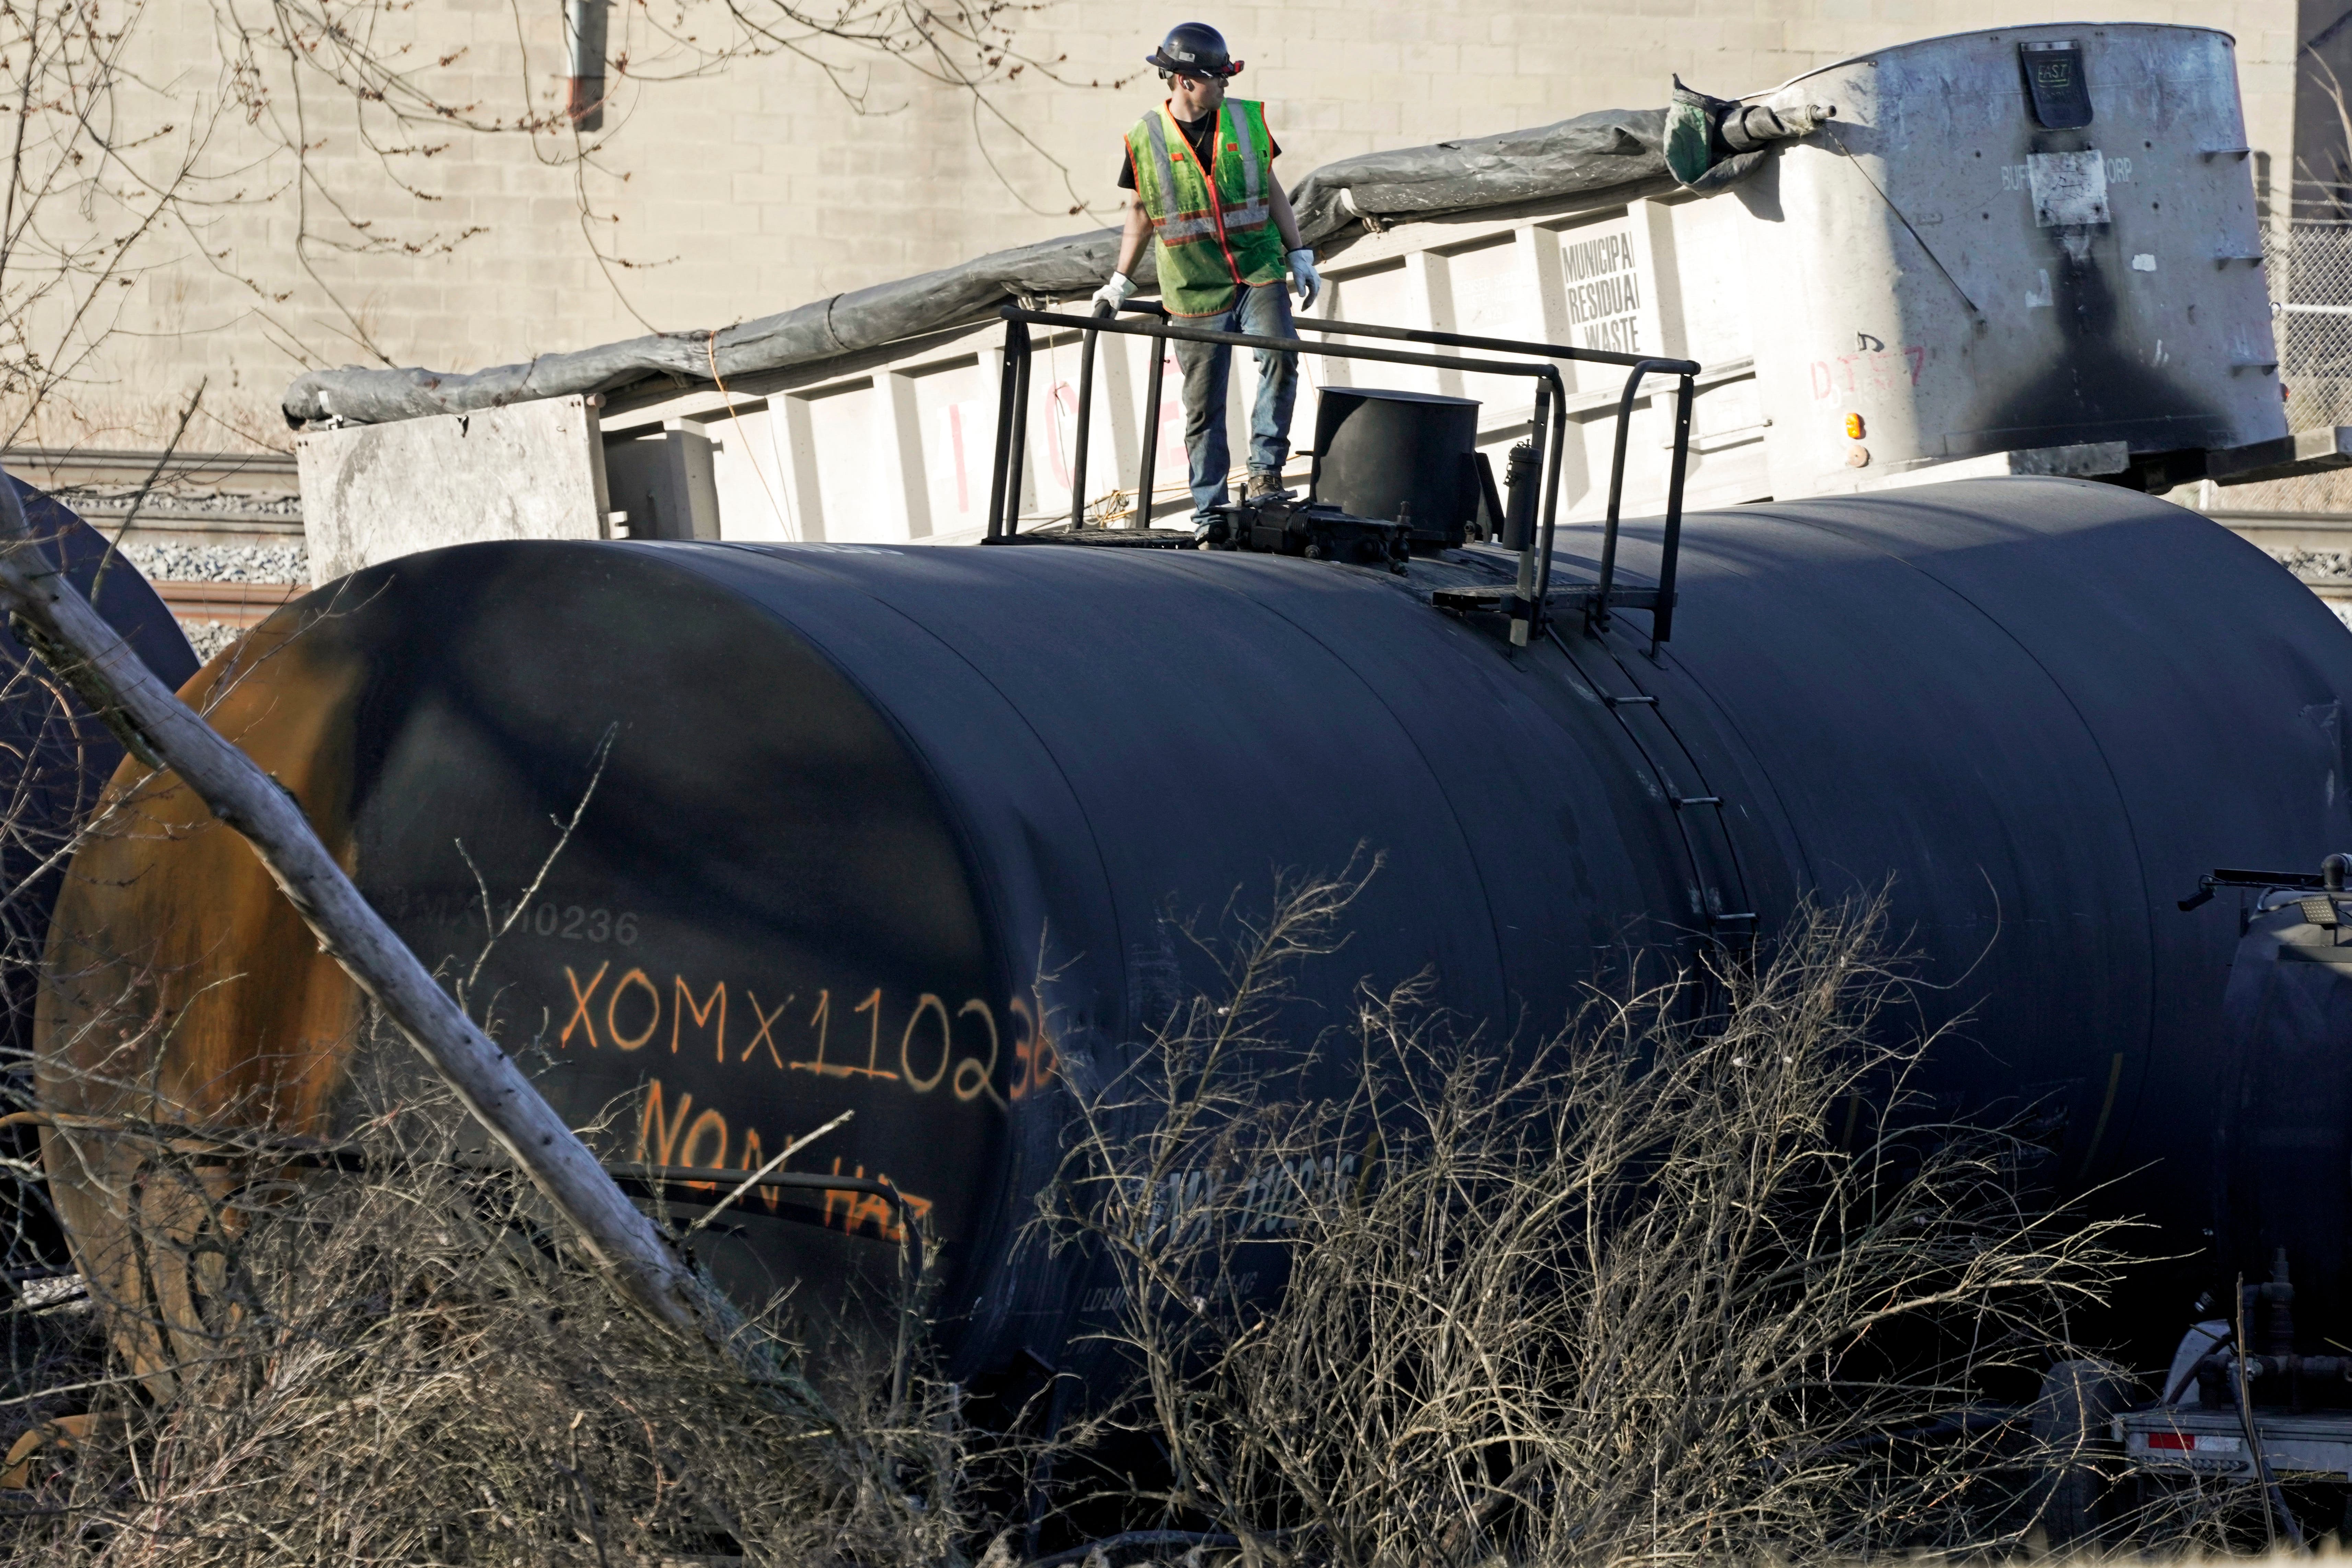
(203, 501)
(211, 497)
(238, 605)
(52, 467)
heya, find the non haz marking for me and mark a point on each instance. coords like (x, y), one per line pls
(667, 1137)
(633, 1009)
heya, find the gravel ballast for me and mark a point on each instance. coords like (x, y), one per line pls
(170, 561)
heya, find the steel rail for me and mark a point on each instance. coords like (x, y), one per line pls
(1461, 340)
(1086, 423)
(1278, 345)
(1148, 471)
(1005, 488)
(1530, 598)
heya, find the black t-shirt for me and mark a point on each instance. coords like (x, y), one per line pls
(1198, 132)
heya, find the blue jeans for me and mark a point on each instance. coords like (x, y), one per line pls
(1263, 311)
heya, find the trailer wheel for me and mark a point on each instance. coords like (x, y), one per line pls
(2070, 1431)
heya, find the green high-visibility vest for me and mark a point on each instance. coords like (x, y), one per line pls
(1213, 234)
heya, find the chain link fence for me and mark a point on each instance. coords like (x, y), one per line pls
(2297, 521)
(2310, 270)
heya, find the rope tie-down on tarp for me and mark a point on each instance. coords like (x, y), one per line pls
(1594, 160)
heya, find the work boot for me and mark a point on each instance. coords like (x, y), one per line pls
(1260, 485)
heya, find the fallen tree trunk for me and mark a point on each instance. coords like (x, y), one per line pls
(57, 623)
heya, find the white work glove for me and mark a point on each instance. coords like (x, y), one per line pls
(1303, 274)
(1117, 292)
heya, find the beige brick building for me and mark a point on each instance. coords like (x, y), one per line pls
(733, 195)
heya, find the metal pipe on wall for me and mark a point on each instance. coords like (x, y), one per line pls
(584, 86)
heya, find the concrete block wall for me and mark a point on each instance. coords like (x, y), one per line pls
(717, 198)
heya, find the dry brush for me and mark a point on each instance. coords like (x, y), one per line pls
(1696, 1278)
(1676, 1283)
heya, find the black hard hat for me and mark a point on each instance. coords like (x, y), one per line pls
(1193, 48)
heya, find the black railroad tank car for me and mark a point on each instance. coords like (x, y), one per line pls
(55, 755)
(903, 830)
(55, 760)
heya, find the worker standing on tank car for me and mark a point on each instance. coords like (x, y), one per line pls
(1199, 173)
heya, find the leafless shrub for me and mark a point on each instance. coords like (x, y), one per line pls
(50, 778)
(1696, 1278)
(1672, 1284)
(393, 1355)
(2188, 1518)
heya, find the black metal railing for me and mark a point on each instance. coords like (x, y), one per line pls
(1550, 418)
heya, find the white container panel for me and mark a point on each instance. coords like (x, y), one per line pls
(1168, 488)
(1381, 294)
(1054, 374)
(1710, 296)
(747, 477)
(848, 428)
(1729, 457)
(955, 412)
(1491, 293)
